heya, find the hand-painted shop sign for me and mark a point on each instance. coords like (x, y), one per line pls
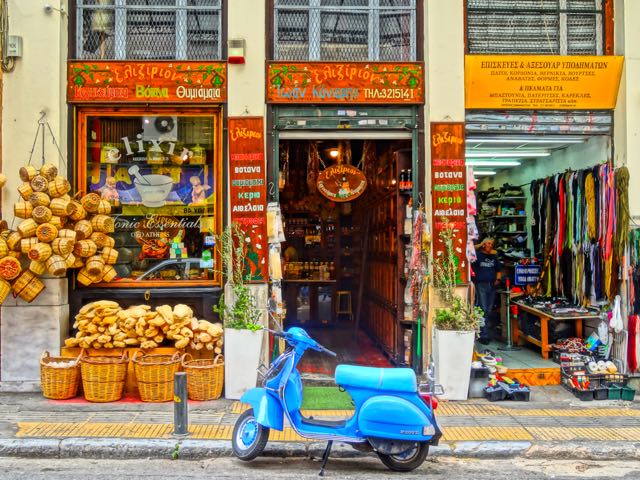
(542, 82)
(341, 183)
(346, 83)
(527, 274)
(157, 82)
(248, 190)
(449, 191)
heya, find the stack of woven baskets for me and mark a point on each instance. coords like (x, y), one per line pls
(56, 233)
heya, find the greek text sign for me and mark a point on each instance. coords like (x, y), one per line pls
(542, 81)
(350, 83)
(448, 194)
(247, 175)
(527, 274)
(341, 183)
(159, 82)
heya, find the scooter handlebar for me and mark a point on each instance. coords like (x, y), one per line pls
(326, 350)
(274, 333)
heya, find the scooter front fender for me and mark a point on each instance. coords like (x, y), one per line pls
(266, 407)
(391, 417)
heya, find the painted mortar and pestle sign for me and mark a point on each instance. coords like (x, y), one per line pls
(153, 189)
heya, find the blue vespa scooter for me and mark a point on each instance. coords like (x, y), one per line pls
(393, 417)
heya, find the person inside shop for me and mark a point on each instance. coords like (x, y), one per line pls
(487, 270)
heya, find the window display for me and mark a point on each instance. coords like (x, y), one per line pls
(161, 174)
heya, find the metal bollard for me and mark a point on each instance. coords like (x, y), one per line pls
(180, 405)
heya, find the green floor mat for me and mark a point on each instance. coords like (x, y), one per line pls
(326, 398)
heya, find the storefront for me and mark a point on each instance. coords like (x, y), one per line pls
(346, 176)
(148, 139)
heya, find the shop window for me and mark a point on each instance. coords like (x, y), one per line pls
(150, 30)
(161, 173)
(550, 27)
(345, 30)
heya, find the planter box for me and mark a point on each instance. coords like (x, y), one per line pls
(453, 352)
(242, 349)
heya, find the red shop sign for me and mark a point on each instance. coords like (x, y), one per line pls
(247, 172)
(449, 191)
(341, 183)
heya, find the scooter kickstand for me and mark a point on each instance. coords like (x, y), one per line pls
(325, 457)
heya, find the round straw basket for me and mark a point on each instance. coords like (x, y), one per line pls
(27, 244)
(26, 277)
(27, 228)
(39, 183)
(61, 207)
(100, 239)
(49, 171)
(205, 377)
(10, 268)
(90, 202)
(77, 211)
(5, 288)
(22, 209)
(83, 229)
(31, 291)
(27, 173)
(59, 186)
(13, 240)
(56, 265)
(40, 252)
(25, 190)
(4, 248)
(42, 214)
(95, 265)
(108, 274)
(79, 263)
(59, 376)
(67, 233)
(3, 180)
(84, 278)
(15, 254)
(104, 207)
(46, 233)
(103, 377)
(37, 267)
(84, 248)
(102, 223)
(62, 246)
(110, 255)
(109, 242)
(70, 260)
(37, 199)
(58, 221)
(154, 374)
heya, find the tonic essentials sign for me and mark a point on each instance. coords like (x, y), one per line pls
(350, 83)
(160, 82)
(542, 81)
(341, 183)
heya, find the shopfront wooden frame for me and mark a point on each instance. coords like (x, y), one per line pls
(81, 113)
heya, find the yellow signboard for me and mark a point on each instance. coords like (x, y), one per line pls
(542, 82)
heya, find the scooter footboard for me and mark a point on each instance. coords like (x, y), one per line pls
(266, 408)
(390, 417)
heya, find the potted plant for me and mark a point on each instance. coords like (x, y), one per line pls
(455, 323)
(239, 311)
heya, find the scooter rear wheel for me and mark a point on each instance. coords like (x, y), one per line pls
(407, 461)
(249, 437)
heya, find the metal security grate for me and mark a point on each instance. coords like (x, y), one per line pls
(345, 30)
(554, 27)
(149, 29)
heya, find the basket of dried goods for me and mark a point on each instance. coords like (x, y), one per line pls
(154, 374)
(205, 377)
(59, 376)
(103, 377)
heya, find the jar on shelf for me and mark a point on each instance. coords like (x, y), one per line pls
(199, 156)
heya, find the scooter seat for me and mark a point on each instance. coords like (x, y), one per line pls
(390, 379)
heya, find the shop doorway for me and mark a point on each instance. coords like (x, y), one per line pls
(534, 181)
(343, 257)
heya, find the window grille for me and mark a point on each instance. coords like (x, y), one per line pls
(149, 29)
(553, 27)
(345, 30)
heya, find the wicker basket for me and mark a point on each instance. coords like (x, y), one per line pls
(154, 374)
(27, 173)
(61, 382)
(103, 377)
(205, 377)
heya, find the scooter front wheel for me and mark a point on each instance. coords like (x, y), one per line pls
(406, 461)
(249, 437)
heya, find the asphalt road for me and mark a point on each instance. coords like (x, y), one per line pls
(272, 468)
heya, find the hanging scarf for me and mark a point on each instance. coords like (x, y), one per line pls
(589, 193)
(622, 211)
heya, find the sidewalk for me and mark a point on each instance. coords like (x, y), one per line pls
(554, 424)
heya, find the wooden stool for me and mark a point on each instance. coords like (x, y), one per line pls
(343, 304)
